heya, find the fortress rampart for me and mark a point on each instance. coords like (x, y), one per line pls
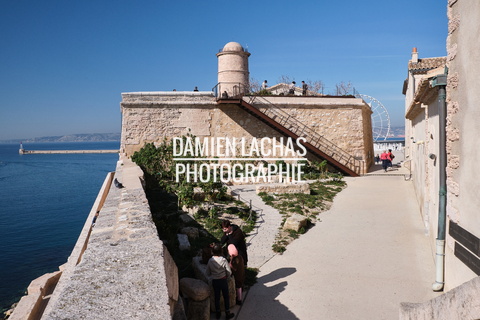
(155, 116)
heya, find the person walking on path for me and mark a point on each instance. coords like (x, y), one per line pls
(384, 159)
(238, 269)
(219, 269)
(390, 158)
(234, 235)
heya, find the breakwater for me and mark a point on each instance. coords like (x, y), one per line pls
(23, 151)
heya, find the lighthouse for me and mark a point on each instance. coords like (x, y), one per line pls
(233, 74)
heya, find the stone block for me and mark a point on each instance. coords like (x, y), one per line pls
(198, 194)
(186, 218)
(284, 188)
(295, 222)
(198, 310)
(199, 269)
(194, 289)
(190, 210)
(183, 242)
(191, 232)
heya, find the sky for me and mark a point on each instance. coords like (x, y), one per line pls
(64, 64)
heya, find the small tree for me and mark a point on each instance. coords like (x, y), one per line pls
(316, 87)
(285, 79)
(343, 88)
(255, 85)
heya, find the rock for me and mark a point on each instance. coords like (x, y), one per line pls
(186, 218)
(191, 232)
(199, 269)
(198, 194)
(284, 188)
(194, 289)
(198, 310)
(184, 244)
(197, 293)
(192, 211)
(295, 222)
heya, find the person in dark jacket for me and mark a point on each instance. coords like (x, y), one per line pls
(234, 235)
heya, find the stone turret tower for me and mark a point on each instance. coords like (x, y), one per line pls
(233, 74)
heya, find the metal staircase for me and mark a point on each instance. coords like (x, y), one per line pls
(315, 143)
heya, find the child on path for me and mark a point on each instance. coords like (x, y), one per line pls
(219, 269)
(238, 269)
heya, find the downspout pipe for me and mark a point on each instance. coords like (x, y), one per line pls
(440, 81)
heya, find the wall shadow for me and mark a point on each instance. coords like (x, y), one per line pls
(261, 300)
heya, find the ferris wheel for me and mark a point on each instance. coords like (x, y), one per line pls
(380, 118)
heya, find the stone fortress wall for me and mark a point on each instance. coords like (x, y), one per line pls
(155, 116)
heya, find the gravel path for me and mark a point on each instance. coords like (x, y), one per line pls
(261, 239)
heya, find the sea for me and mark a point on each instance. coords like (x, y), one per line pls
(44, 202)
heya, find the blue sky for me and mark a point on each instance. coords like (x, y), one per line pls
(64, 64)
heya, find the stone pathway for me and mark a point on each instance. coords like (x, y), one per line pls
(360, 262)
(261, 239)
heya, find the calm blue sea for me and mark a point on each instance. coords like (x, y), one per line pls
(44, 202)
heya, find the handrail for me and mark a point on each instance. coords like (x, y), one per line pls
(302, 130)
(230, 90)
(252, 208)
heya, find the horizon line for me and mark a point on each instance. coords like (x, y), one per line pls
(232, 159)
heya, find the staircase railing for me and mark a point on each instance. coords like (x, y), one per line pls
(230, 90)
(301, 130)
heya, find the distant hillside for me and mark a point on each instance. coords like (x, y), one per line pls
(81, 137)
(397, 132)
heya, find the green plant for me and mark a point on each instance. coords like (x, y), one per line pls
(167, 189)
(278, 248)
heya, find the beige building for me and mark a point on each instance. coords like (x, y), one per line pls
(462, 261)
(422, 134)
(442, 121)
(335, 128)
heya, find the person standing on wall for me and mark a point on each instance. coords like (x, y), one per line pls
(292, 88)
(264, 85)
(304, 88)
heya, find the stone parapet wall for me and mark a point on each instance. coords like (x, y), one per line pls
(125, 272)
(167, 97)
(41, 290)
(457, 304)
